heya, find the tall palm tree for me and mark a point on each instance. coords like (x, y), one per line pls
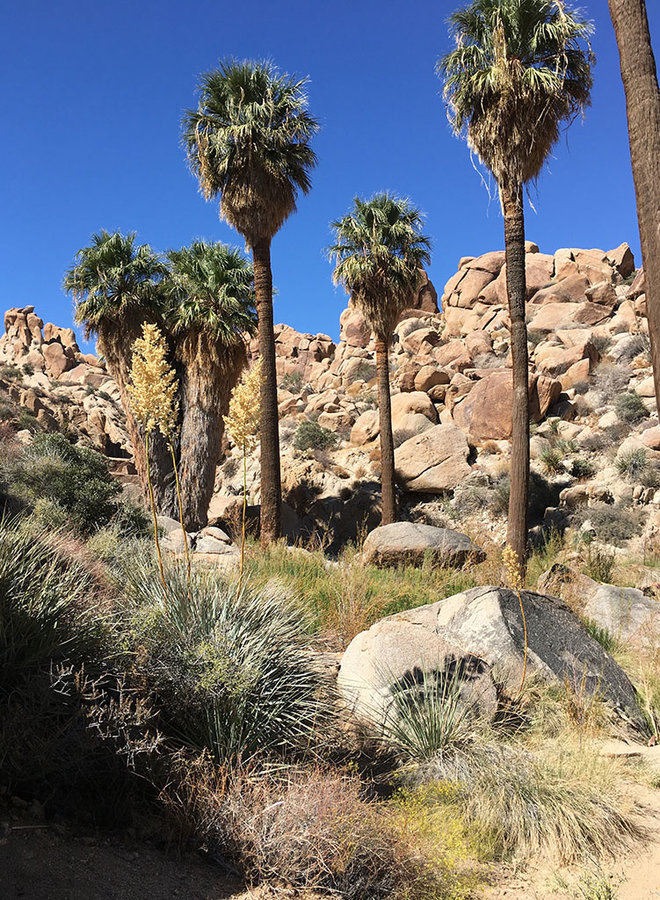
(519, 70)
(379, 251)
(248, 143)
(210, 314)
(117, 287)
(640, 81)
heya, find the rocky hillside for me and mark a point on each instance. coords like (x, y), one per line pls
(596, 442)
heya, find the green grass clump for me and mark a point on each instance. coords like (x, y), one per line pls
(630, 408)
(582, 469)
(632, 464)
(312, 436)
(552, 461)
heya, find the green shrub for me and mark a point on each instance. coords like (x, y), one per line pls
(230, 664)
(632, 464)
(582, 468)
(542, 494)
(7, 412)
(612, 524)
(630, 408)
(602, 342)
(26, 421)
(599, 563)
(605, 638)
(75, 479)
(364, 371)
(312, 436)
(9, 371)
(292, 381)
(552, 461)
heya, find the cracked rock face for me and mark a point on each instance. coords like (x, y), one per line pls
(434, 461)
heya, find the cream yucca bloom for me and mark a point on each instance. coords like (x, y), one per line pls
(154, 383)
(242, 421)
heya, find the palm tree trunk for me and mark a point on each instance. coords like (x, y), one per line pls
(386, 438)
(640, 81)
(516, 285)
(205, 399)
(118, 352)
(271, 483)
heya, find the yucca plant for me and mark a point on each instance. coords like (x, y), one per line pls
(229, 664)
(429, 713)
(46, 613)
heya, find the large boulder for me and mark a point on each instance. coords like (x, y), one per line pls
(434, 461)
(627, 613)
(405, 653)
(487, 625)
(406, 543)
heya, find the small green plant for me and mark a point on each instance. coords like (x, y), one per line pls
(312, 436)
(9, 371)
(292, 381)
(630, 408)
(605, 638)
(27, 368)
(632, 464)
(552, 460)
(601, 342)
(103, 395)
(582, 469)
(612, 523)
(26, 421)
(364, 371)
(599, 563)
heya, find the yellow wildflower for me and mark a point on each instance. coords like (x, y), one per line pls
(154, 384)
(242, 421)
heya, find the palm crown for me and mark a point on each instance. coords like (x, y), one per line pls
(248, 141)
(112, 278)
(378, 253)
(211, 291)
(519, 69)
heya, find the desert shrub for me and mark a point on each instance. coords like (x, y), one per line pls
(565, 803)
(27, 369)
(308, 829)
(633, 346)
(292, 381)
(582, 407)
(9, 371)
(104, 395)
(611, 378)
(552, 460)
(632, 463)
(542, 494)
(594, 443)
(25, 421)
(612, 524)
(471, 498)
(312, 436)
(602, 342)
(582, 469)
(630, 408)
(61, 475)
(582, 387)
(7, 412)
(229, 663)
(650, 477)
(364, 371)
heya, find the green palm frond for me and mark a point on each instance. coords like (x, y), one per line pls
(113, 277)
(248, 142)
(379, 251)
(211, 291)
(520, 68)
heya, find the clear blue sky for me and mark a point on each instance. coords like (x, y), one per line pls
(93, 95)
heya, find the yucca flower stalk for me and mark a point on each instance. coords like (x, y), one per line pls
(153, 392)
(242, 423)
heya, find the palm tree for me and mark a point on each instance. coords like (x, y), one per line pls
(248, 143)
(520, 69)
(640, 81)
(117, 287)
(211, 312)
(379, 250)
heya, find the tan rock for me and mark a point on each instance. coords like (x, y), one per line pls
(434, 461)
(429, 376)
(622, 259)
(365, 428)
